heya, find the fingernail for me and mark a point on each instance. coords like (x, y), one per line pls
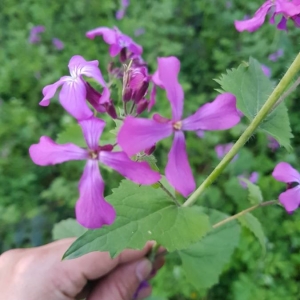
(143, 269)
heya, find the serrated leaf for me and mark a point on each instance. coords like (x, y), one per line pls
(143, 214)
(254, 193)
(253, 224)
(71, 134)
(67, 228)
(204, 261)
(252, 88)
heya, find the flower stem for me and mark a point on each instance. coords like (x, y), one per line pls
(168, 193)
(243, 212)
(264, 111)
(287, 93)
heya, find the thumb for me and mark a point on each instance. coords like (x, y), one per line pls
(123, 282)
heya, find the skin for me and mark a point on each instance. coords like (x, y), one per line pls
(38, 273)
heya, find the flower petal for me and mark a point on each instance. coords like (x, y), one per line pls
(257, 20)
(92, 129)
(109, 35)
(92, 211)
(79, 66)
(290, 199)
(284, 172)
(138, 172)
(47, 152)
(178, 170)
(168, 69)
(217, 115)
(138, 134)
(50, 90)
(135, 48)
(72, 97)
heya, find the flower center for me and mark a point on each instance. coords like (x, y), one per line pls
(93, 154)
(177, 125)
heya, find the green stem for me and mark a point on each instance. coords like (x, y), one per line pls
(168, 193)
(243, 212)
(266, 108)
(287, 93)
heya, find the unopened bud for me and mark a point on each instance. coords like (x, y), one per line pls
(111, 110)
(94, 98)
(141, 92)
(150, 150)
(141, 106)
(107, 147)
(123, 55)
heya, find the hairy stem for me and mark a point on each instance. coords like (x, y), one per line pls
(271, 202)
(264, 111)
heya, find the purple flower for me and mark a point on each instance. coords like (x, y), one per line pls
(58, 44)
(34, 36)
(116, 39)
(266, 70)
(288, 9)
(290, 199)
(121, 12)
(74, 89)
(277, 54)
(136, 84)
(138, 134)
(223, 149)
(139, 31)
(92, 211)
(252, 178)
(273, 144)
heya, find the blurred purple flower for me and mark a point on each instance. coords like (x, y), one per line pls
(252, 178)
(116, 39)
(290, 199)
(121, 12)
(58, 44)
(223, 149)
(34, 36)
(138, 134)
(266, 70)
(277, 54)
(92, 211)
(273, 144)
(286, 8)
(74, 89)
(139, 31)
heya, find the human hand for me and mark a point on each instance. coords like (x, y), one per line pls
(38, 273)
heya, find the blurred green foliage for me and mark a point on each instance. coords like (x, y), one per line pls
(202, 35)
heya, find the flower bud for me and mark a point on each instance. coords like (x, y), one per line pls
(123, 55)
(141, 106)
(111, 110)
(150, 150)
(94, 97)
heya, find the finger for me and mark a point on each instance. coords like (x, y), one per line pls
(92, 265)
(123, 282)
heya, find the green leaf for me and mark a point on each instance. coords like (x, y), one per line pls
(253, 224)
(143, 214)
(118, 125)
(67, 228)
(252, 88)
(204, 261)
(71, 134)
(254, 192)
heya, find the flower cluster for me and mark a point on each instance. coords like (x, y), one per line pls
(285, 8)
(137, 136)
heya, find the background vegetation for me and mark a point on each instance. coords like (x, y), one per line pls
(201, 34)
